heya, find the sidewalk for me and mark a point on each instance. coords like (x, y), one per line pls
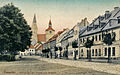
(103, 67)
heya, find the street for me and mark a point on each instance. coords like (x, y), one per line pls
(32, 66)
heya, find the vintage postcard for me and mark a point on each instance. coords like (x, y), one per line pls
(59, 37)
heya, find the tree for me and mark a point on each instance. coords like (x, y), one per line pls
(55, 49)
(75, 45)
(108, 39)
(15, 33)
(45, 52)
(39, 42)
(88, 44)
(66, 53)
(50, 53)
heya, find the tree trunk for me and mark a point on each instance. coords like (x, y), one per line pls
(109, 55)
(51, 55)
(89, 54)
(75, 54)
(55, 54)
(67, 54)
(60, 55)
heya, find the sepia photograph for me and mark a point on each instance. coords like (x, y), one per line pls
(59, 37)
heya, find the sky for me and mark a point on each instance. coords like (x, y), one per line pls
(64, 13)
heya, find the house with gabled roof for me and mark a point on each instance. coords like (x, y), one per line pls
(109, 22)
(75, 37)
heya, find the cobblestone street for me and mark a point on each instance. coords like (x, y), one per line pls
(32, 66)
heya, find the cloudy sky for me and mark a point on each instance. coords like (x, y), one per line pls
(64, 13)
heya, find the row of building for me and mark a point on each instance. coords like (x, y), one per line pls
(109, 22)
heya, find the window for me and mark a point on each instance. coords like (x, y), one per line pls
(92, 52)
(81, 52)
(95, 52)
(102, 35)
(113, 51)
(96, 37)
(102, 24)
(99, 52)
(87, 38)
(101, 18)
(105, 51)
(77, 52)
(83, 40)
(109, 51)
(99, 37)
(80, 40)
(93, 38)
(118, 20)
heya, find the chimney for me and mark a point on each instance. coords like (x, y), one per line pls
(115, 8)
(107, 14)
(85, 21)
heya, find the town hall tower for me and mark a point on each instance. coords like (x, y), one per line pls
(49, 32)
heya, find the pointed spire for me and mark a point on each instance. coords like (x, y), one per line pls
(34, 19)
(50, 23)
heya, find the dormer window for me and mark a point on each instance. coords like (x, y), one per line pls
(102, 24)
(101, 18)
(89, 28)
(95, 27)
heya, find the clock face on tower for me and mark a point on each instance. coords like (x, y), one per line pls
(50, 32)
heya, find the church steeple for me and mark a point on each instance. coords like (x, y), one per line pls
(34, 19)
(34, 31)
(50, 23)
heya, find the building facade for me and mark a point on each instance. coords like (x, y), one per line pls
(107, 23)
(75, 37)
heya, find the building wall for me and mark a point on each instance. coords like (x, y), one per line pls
(23, 53)
(28, 52)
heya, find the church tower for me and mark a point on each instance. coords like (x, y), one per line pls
(49, 32)
(34, 31)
